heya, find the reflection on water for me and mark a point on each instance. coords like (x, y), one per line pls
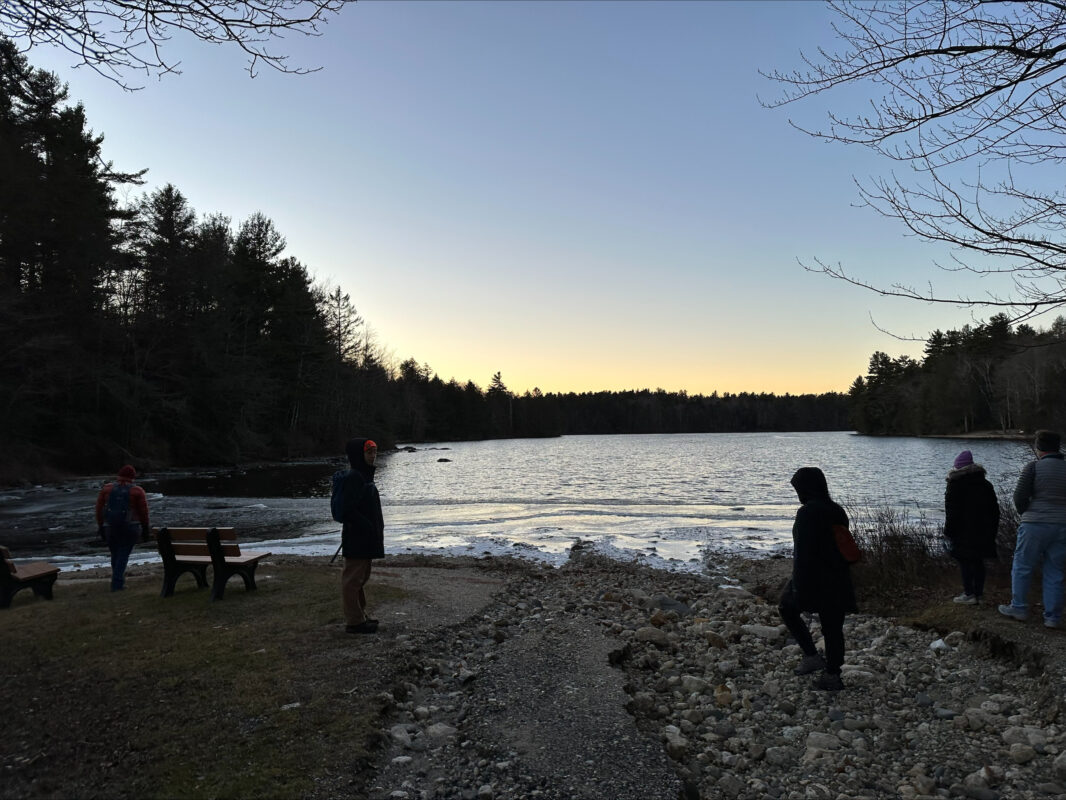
(665, 499)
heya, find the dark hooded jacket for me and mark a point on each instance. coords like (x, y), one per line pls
(363, 528)
(971, 513)
(820, 577)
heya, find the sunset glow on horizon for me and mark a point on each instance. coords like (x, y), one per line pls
(580, 196)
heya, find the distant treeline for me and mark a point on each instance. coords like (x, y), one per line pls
(986, 377)
(149, 333)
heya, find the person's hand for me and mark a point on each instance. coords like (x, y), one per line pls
(100, 532)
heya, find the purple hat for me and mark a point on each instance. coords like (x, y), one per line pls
(963, 459)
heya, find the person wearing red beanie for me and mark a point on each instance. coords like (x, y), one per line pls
(122, 521)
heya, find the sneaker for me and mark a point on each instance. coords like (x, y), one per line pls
(366, 626)
(1051, 623)
(809, 664)
(829, 682)
(1014, 613)
(965, 600)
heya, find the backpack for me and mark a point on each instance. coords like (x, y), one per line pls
(336, 500)
(845, 543)
(117, 510)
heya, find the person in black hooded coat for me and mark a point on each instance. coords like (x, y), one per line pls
(362, 533)
(821, 581)
(971, 521)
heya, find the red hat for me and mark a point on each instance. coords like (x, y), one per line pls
(127, 473)
(368, 444)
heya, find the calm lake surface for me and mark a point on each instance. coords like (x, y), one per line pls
(662, 498)
(668, 500)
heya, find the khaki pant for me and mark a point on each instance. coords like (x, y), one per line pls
(353, 579)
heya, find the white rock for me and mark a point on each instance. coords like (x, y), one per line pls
(691, 684)
(1021, 753)
(770, 633)
(653, 636)
(441, 730)
(399, 734)
(822, 741)
(1059, 766)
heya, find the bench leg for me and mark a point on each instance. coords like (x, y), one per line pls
(199, 573)
(249, 577)
(218, 587)
(6, 593)
(170, 577)
(43, 587)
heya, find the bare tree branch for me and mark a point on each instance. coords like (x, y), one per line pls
(971, 94)
(117, 38)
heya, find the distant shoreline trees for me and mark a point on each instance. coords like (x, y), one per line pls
(984, 377)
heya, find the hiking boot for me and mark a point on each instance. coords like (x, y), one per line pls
(809, 664)
(1014, 613)
(366, 626)
(829, 682)
(965, 600)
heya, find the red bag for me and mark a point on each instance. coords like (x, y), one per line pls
(846, 546)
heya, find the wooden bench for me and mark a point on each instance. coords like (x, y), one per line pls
(38, 576)
(194, 549)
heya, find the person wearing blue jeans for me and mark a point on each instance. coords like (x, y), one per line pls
(1040, 498)
(122, 520)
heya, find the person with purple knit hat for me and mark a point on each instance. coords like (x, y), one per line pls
(971, 520)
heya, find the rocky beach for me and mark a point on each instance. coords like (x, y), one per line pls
(602, 680)
(495, 678)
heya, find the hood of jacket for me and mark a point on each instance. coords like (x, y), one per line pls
(963, 472)
(354, 449)
(810, 484)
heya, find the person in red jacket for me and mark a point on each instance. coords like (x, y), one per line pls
(122, 519)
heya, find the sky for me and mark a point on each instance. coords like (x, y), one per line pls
(581, 196)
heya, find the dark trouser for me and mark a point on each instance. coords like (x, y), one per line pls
(973, 575)
(121, 544)
(354, 577)
(832, 630)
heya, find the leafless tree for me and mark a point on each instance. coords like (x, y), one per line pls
(119, 38)
(968, 96)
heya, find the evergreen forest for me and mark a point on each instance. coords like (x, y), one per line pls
(148, 332)
(987, 377)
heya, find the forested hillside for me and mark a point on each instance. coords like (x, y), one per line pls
(987, 377)
(156, 334)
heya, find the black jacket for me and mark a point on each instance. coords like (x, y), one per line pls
(971, 513)
(821, 579)
(363, 527)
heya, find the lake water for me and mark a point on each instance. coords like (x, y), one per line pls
(665, 499)
(668, 500)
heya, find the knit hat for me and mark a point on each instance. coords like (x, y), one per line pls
(127, 473)
(369, 443)
(963, 459)
(1047, 441)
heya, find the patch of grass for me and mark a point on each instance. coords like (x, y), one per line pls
(131, 694)
(906, 567)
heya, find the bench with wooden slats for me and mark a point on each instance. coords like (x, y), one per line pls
(193, 550)
(38, 576)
